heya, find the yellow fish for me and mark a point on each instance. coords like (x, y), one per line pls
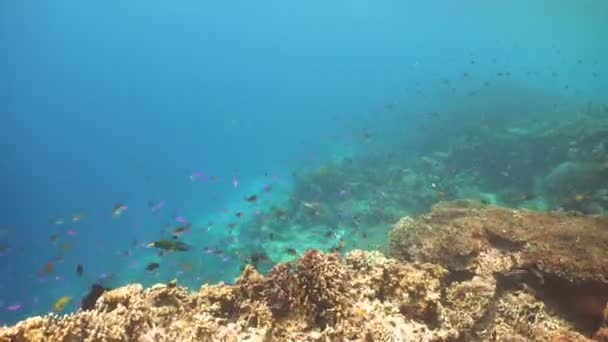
(62, 302)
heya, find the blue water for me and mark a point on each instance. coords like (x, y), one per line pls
(122, 101)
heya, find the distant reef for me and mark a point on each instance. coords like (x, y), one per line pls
(463, 272)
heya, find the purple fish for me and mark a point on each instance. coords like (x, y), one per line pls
(13, 307)
(180, 219)
(198, 176)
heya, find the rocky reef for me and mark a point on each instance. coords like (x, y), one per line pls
(464, 272)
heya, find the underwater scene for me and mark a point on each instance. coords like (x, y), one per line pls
(315, 171)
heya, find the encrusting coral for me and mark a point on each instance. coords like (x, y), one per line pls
(464, 272)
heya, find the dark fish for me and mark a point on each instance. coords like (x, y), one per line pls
(291, 251)
(170, 245)
(252, 199)
(152, 266)
(88, 302)
(339, 247)
(257, 257)
(231, 225)
(181, 230)
(79, 270)
(527, 196)
(240, 214)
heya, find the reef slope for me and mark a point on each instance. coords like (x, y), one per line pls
(464, 272)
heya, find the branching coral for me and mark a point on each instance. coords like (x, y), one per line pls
(323, 283)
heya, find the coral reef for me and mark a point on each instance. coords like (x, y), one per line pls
(363, 297)
(558, 257)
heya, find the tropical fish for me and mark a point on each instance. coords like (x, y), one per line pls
(14, 307)
(178, 231)
(77, 217)
(170, 245)
(527, 196)
(240, 214)
(310, 205)
(198, 176)
(79, 270)
(48, 268)
(56, 221)
(291, 251)
(156, 207)
(62, 302)
(252, 199)
(88, 302)
(579, 197)
(119, 209)
(152, 266)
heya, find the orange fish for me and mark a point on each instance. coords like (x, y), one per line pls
(48, 268)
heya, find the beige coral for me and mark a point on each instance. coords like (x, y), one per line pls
(365, 296)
